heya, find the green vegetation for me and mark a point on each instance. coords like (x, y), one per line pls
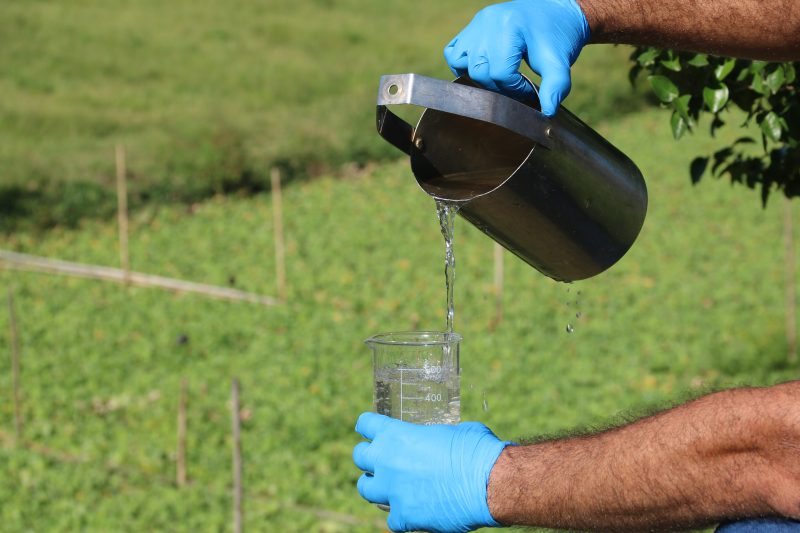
(696, 304)
(764, 98)
(207, 96)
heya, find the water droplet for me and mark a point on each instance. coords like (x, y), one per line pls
(570, 329)
(485, 403)
(578, 314)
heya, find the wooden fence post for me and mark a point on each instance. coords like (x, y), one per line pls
(122, 212)
(280, 255)
(498, 286)
(14, 334)
(237, 458)
(181, 452)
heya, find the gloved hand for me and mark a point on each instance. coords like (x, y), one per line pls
(434, 478)
(548, 34)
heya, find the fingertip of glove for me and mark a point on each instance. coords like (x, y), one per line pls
(364, 421)
(359, 421)
(549, 104)
(449, 51)
(358, 451)
(362, 480)
(548, 111)
(370, 424)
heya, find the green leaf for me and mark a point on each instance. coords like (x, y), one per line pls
(771, 126)
(789, 72)
(757, 66)
(758, 84)
(722, 71)
(698, 168)
(681, 105)
(716, 99)
(699, 60)
(665, 90)
(648, 56)
(774, 79)
(679, 126)
(673, 64)
(744, 73)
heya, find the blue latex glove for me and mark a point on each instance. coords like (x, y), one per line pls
(434, 478)
(548, 34)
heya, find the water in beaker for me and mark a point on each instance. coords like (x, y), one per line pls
(417, 376)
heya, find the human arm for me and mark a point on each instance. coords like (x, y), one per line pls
(549, 35)
(753, 29)
(728, 455)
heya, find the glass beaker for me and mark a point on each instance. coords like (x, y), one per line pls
(417, 376)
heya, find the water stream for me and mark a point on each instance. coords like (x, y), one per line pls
(447, 212)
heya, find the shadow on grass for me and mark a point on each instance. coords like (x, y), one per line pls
(46, 204)
(195, 168)
(215, 161)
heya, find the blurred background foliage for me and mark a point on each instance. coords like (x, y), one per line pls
(759, 98)
(207, 97)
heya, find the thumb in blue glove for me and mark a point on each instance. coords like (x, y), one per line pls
(548, 34)
(434, 478)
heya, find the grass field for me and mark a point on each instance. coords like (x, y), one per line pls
(207, 97)
(696, 304)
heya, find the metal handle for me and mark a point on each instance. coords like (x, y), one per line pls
(459, 99)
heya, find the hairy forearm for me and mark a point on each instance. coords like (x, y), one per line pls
(728, 455)
(756, 29)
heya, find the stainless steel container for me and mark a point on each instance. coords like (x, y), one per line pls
(551, 190)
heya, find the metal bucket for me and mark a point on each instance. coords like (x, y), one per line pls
(550, 190)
